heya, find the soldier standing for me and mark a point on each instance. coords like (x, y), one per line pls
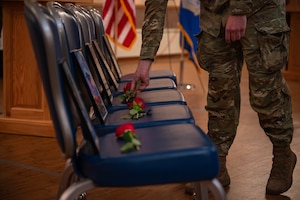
(234, 32)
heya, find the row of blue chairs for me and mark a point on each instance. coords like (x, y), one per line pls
(91, 76)
(99, 63)
(75, 65)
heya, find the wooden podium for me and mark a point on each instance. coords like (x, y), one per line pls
(25, 106)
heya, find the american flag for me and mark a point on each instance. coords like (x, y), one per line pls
(125, 19)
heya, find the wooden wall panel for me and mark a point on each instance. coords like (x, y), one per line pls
(25, 107)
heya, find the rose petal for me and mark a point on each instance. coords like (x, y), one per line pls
(124, 127)
(140, 102)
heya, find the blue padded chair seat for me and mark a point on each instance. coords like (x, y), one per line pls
(153, 74)
(160, 115)
(112, 168)
(153, 98)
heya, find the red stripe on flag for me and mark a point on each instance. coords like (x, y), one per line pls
(128, 40)
(130, 10)
(126, 18)
(122, 23)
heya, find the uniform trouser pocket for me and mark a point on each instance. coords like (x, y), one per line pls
(273, 39)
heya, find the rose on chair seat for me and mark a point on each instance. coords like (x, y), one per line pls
(126, 133)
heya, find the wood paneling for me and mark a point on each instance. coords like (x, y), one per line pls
(25, 106)
(25, 109)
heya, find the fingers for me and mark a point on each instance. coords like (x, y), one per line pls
(144, 81)
(142, 74)
(228, 36)
(143, 85)
(133, 84)
(235, 28)
(232, 36)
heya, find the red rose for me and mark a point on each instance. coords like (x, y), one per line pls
(120, 130)
(139, 102)
(136, 109)
(125, 133)
(127, 87)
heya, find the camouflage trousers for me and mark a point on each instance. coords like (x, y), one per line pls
(264, 49)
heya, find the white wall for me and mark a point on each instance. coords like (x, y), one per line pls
(169, 45)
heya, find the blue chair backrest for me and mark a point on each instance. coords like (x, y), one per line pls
(88, 32)
(104, 44)
(84, 79)
(89, 20)
(65, 103)
(67, 24)
(87, 26)
(70, 37)
(99, 30)
(45, 39)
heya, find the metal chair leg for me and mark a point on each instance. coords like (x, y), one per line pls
(203, 187)
(68, 178)
(77, 189)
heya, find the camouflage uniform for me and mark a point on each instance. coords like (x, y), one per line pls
(264, 49)
(153, 27)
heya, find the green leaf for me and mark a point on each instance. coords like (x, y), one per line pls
(133, 111)
(126, 117)
(127, 136)
(127, 147)
(136, 142)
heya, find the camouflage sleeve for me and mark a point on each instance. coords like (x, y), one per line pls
(240, 7)
(153, 26)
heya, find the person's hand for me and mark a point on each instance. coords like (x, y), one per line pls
(142, 73)
(235, 28)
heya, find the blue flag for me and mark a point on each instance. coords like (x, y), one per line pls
(189, 25)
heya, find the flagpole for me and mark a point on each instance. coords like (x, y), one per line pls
(181, 84)
(181, 61)
(116, 28)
